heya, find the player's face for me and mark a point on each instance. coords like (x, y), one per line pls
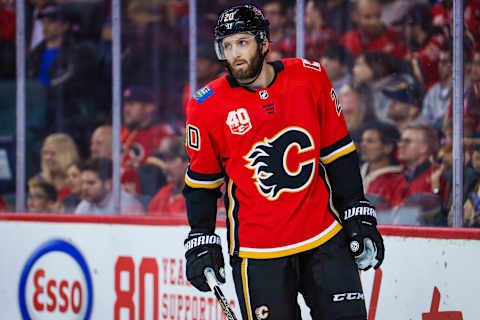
(242, 53)
(371, 147)
(94, 190)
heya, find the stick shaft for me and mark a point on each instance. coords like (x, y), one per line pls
(212, 283)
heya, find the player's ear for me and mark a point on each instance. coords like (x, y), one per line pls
(265, 46)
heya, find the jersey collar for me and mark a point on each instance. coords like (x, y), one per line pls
(277, 67)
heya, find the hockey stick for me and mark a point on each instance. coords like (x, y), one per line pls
(213, 284)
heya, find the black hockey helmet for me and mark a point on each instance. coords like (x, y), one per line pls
(244, 18)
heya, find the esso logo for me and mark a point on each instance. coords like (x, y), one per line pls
(56, 284)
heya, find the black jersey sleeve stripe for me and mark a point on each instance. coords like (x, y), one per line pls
(338, 149)
(199, 180)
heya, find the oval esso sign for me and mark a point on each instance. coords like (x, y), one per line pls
(55, 284)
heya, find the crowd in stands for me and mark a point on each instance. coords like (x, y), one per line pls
(390, 62)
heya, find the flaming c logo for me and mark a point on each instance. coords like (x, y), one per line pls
(269, 159)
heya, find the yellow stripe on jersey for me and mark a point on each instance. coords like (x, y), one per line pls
(202, 183)
(314, 242)
(340, 152)
(246, 294)
(231, 207)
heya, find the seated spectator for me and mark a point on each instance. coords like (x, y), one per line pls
(337, 62)
(208, 69)
(422, 188)
(74, 184)
(97, 191)
(423, 42)
(57, 153)
(438, 96)
(280, 38)
(338, 14)
(42, 196)
(370, 33)
(140, 132)
(101, 142)
(68, 71)
(318, 34)
(380, 170)
(471, 210)
(356, 108)
(374, 70)
(173, 159)
(405, 104)
(3, 205)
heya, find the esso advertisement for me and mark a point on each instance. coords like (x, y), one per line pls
(56, 284)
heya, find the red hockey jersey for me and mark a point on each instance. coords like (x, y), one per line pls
(269, 147)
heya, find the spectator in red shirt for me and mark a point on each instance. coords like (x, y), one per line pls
(422, 192)
(173, 159)
(3, 205)
(370, 33)
(380, 170)
(140, 132)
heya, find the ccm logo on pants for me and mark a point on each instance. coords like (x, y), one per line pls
(348, 296)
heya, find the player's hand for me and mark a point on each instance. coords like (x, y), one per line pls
(365, 242)
(203, 250)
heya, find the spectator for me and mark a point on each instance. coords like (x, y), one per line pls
(101, 147)
(438, 96)
(380, 170)
(42, 196)
(140, 132)
(356, 108)
(374, 70)
(281, 39)
(338, 15)
(471, 217)
(97, 191)
(423, 42)
(422, 185)
(58, 152)
(318, 34)
(101, 142)
(68, 70)
(7, 40)
(74, 184)
(471, 106)
(173, 158)
(34, 26)
(405, 97)
(370, 33)
(3, 205)
(208, 69)
(337, 62)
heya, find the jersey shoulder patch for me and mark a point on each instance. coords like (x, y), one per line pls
(203, 94)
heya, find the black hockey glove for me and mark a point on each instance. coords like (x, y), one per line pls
(366, 243)
(203, 250)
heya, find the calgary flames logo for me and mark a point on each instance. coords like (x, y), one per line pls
(271, 162)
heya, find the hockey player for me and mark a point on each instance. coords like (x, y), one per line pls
(297, 218)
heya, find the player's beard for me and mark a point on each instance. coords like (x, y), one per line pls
(250, 72)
